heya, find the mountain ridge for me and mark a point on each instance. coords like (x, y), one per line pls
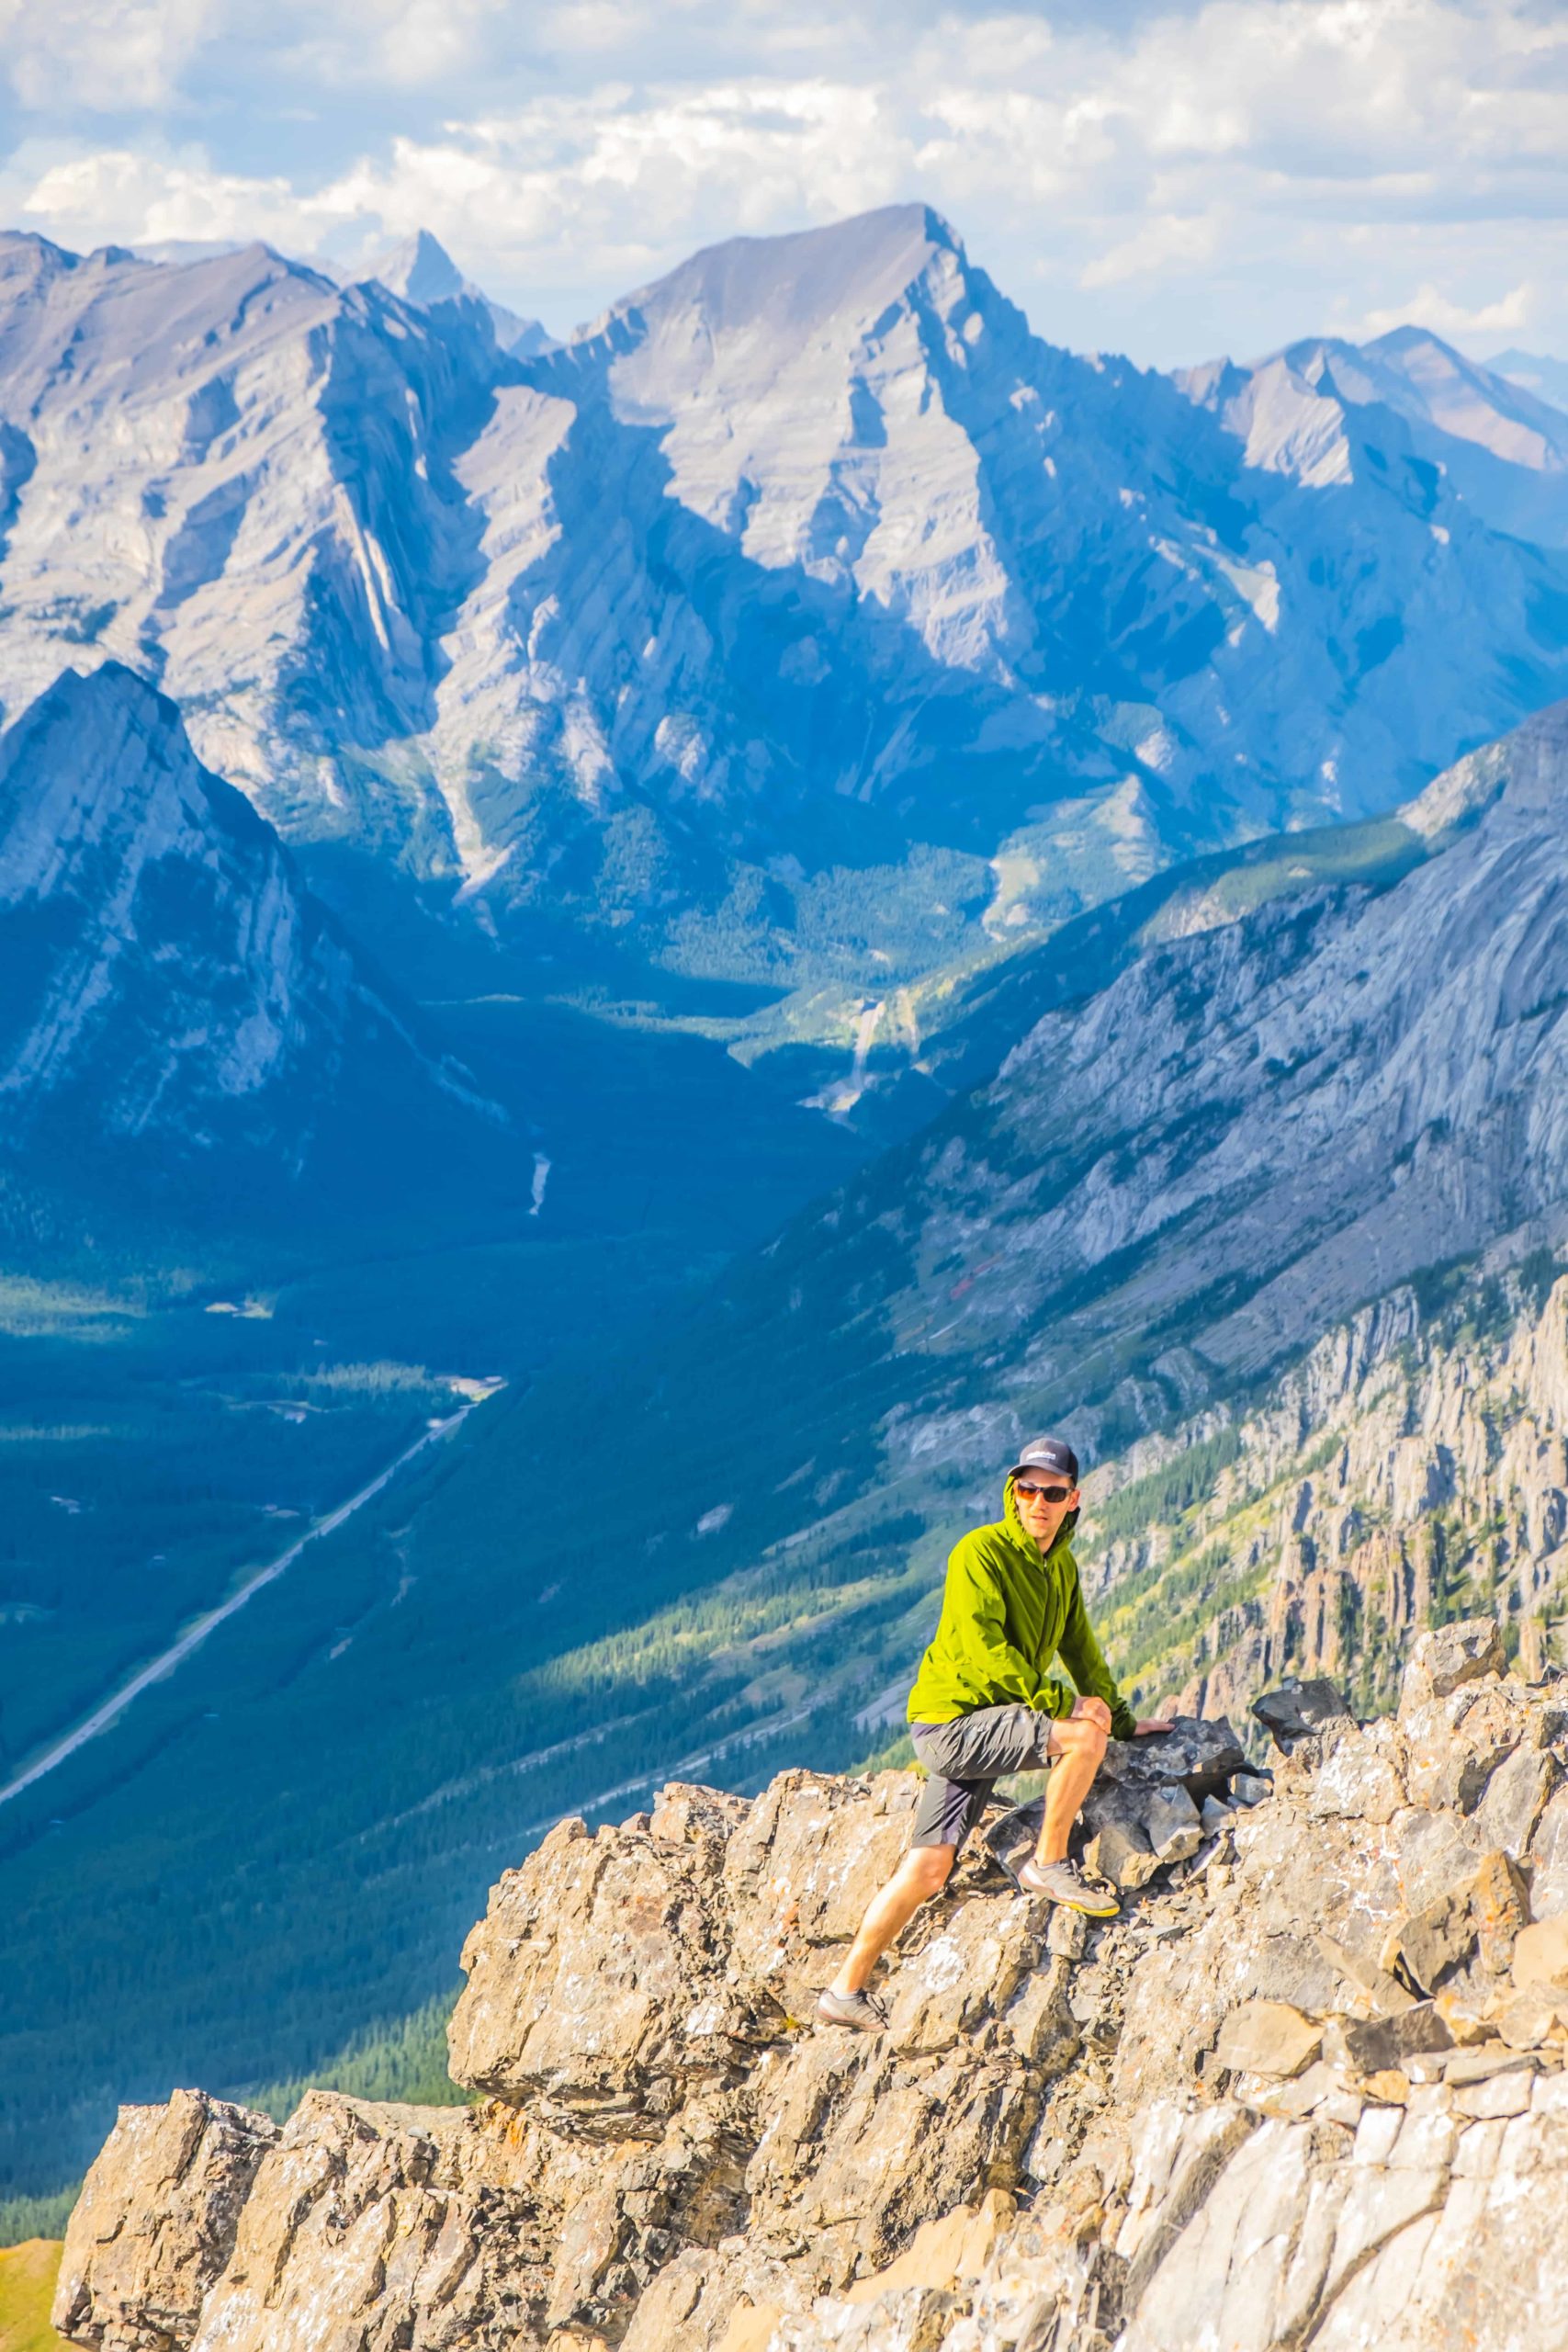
(1312, 2073)
(178, 1006)
(694, 623)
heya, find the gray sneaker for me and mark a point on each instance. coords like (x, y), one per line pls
(860, 2010)
(1066, 1884)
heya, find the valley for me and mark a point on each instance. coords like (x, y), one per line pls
(781, 892)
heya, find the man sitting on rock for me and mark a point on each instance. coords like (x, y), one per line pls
(984, 1704)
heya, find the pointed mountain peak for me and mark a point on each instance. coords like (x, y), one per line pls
(121, 737)
(1399, 342)
(109, 686)
(421, 269)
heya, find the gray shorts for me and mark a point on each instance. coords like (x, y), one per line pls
(965, 1758)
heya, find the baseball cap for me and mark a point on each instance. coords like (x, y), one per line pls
(1048, 1454)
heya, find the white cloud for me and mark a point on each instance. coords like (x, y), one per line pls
(117, 194)
(1166, 241)
(1430, 306)
(101, 56)
(1174, 179)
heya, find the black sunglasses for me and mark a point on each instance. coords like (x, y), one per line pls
(1046, 1494)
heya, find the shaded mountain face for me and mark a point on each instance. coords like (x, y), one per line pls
(178, 1010)
(807, 621)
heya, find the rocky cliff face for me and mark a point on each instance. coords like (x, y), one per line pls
(175, 1000)
(1308, 2086)
(1413, 1462)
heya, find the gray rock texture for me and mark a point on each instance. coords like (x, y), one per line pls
(1308, 2087)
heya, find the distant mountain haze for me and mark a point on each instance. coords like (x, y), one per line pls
(1535, 372)
(1319, 411)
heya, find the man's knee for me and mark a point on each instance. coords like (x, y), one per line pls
(1080, 1736)
(928, 1868)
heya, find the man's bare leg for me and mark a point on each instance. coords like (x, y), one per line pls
(1078, 1744)
(924, 1872)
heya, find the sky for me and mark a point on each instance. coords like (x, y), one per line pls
(1172, 181)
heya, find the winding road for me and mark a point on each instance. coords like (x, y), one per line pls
(169, 1660)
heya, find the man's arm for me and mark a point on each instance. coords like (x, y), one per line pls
(1085, 1661)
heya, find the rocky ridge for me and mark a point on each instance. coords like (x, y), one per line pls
(1308, 2086)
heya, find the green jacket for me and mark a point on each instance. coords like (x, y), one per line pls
(1006, 1612)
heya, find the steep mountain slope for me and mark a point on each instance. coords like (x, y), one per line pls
(180, 1014)
(1414, 1465)
(232, 476)
(715, 1548)
(810, 622)
(1534, 372)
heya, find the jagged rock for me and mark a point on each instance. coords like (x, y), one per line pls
(358, 2221)
(1479, 1916)
(1360, 1775)
(1251, 1788)
(1450, 1656)
(1380, 2045)
(156, 2221)
(1232, 2122)
(801, 1867)
(1128, 1833)
(1268, 2038)
(1549, 1859)
(1200, 1754)
(1528, 2022)
(599, 1984)
(1296, 1710)
(1142, 1813)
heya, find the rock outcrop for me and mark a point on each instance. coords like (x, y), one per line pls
(180, 1011)
(1308, 2086)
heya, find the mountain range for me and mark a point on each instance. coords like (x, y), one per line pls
(809, 573)
(814, 880)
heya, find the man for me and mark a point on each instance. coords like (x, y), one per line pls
(984, 1704)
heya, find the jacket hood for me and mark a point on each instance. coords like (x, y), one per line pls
(1061, 1541)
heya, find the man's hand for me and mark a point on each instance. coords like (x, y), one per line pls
(1155, 1722)
(1096, 1710)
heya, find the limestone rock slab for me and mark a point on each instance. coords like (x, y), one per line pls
(599, 1982)
(156, 2222)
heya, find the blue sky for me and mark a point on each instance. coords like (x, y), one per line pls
(1173, 181)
